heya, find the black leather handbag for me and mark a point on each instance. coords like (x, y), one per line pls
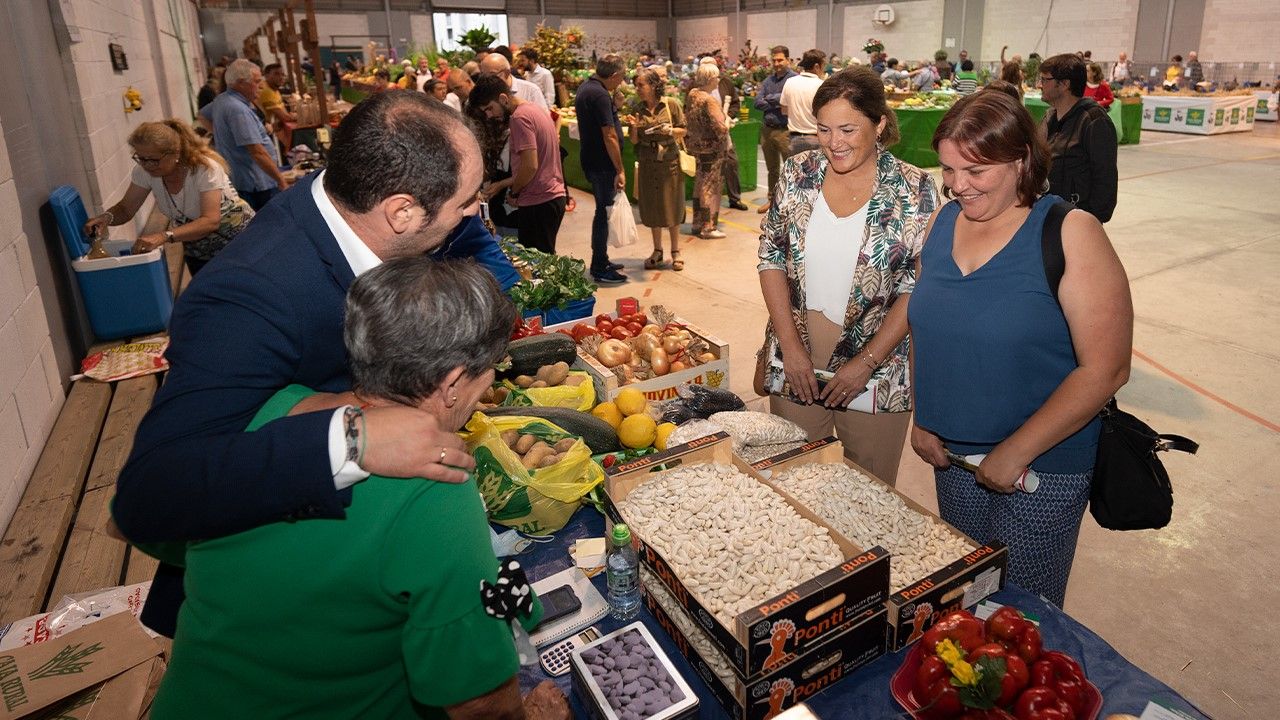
(1130, 488)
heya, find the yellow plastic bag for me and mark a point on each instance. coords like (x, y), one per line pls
(535, 502)
(581, 397)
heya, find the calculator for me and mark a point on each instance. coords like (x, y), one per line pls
(555, 659)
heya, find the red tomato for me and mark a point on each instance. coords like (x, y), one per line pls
(567, 334)
(620, 332)
(604, 326)
(583, 330)
(603, 317)
(642, 319)
(634, 327)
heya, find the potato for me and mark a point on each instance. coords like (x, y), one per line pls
(533, 459)
(549, 460)
(500, 394)
(556, 374)
(525, 444)
(564, 445)
(539, 384)
(524, 381)
(509, 437)
(573, 380)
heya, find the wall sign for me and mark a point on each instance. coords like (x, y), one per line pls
(118, 60)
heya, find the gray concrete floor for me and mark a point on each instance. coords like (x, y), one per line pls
(1198, 229)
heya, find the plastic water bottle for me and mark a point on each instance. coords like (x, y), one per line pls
(622, 570)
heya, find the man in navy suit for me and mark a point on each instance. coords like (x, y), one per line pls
(403, 172)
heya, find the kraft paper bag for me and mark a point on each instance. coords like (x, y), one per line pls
(36, 676)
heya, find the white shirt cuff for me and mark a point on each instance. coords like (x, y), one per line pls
(345, 472)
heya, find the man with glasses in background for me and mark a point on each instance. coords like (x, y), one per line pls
(1081, 137)
(241, 137)
(497, 64)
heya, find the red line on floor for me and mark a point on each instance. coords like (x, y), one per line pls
(1216, 398)
(647, 291)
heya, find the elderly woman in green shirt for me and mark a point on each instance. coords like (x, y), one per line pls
(395, 611)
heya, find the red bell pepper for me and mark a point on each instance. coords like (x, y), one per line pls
(1042, 703)
(1062, 674)
(934, 692)
(1016, 675)
(1017, 634)
(959, 626)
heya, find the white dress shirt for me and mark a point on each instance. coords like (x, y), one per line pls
(361, 259)
(542, 77)
(831, 248)
(529, 92)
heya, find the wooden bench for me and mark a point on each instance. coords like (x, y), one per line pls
(60, 540)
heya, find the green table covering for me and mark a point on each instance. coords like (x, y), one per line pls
(746, 140)
(917, 125)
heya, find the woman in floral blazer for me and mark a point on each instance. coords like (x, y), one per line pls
(838, 253)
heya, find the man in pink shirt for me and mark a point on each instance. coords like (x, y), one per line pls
(536, 185)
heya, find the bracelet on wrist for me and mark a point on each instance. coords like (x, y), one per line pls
(868, 360)
(111, 217)
(353, 432)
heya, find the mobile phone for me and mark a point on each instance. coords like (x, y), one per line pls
(558, 603)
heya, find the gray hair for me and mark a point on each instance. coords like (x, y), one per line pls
(608, 65)
(706, 74)
(412, 320)
(238, 71)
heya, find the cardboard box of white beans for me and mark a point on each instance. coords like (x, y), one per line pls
(934, 567)
(765, 578)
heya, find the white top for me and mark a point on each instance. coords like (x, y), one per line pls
(424, 77)
(831, 248)
(184, 206)
(529, 92)
(797, 102)
(452, 101)
(362, 260)
(542, 77)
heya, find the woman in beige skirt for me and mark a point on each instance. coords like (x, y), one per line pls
(657, 126)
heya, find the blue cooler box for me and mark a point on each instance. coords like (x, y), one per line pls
(123, 294)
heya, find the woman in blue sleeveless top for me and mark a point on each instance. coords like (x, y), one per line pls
(1002, 368)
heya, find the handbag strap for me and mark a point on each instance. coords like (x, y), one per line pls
(1055, 261)
(1177, 442)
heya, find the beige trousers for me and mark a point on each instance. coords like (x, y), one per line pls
(874, 442)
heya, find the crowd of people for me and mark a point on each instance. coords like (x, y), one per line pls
(309, 376)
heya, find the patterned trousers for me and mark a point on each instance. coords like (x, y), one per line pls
(1040, 528)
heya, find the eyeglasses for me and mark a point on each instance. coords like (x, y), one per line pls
(1044, 79)
(149, 161)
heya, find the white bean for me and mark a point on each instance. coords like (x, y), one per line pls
(869, 514)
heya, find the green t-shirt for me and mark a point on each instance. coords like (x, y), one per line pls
(374, 616)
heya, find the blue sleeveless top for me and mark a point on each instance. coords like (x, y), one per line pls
(990, 347)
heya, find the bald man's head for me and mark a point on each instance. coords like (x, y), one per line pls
(497, 64)
(460, 83)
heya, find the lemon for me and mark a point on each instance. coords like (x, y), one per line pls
(663, 431)
(608, 412)
(631, 402)
(638, 431)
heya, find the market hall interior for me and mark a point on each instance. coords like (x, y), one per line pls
(1197, 226)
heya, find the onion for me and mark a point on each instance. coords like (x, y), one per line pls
(645, 344)
(706, 357)
(658, 361)
(651, 329)
(671, 344)
(613, 353)
(677, 366)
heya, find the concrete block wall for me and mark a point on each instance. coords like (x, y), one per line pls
(1241, 31)
(238, 24)
(1104, 26)
(793, 28)
(916, 32)
(604, 35)
(30, 387)
(703, 34)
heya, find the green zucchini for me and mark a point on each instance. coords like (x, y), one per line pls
(596, 433)
(530, 353)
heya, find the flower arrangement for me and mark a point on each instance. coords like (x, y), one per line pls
(872, 45)
(557, 49)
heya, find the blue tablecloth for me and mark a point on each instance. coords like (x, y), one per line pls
(865, 694)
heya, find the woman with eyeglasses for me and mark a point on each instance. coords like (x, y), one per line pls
(190, 184)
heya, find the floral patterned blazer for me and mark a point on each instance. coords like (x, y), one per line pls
(897, 217)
